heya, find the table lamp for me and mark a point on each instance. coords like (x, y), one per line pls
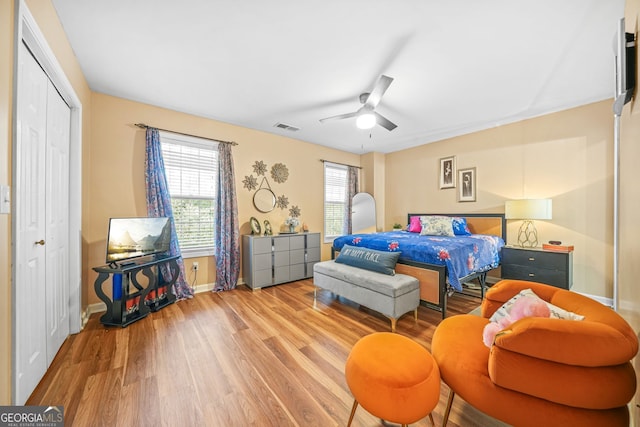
(528, 210)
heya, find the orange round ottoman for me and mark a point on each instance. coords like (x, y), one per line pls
(393, 378)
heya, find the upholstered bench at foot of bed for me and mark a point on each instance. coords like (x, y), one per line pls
(392, 296)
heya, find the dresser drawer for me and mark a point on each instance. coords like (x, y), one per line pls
(261, 245)
(296, 242)
(296, 256)
(556, 278)
(262, 278)
(313, 240)
(280, 244)
(547, 260)
(313, 254)
(296, 272)
(262, 261)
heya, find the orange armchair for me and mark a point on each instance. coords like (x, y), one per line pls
(541, 371)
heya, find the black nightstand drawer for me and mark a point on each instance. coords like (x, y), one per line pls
(552, 268)
(540, 259)
(550, 277)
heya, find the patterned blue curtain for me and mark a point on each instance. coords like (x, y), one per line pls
(159, 204)
(227, 227)
(352, 190)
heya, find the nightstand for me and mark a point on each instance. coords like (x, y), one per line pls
(537, 265)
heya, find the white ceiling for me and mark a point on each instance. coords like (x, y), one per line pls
(458, 65)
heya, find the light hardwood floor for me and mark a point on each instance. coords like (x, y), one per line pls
(236, 358)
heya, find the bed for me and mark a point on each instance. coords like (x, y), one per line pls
(441, 263)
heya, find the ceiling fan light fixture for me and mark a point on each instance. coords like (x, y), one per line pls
(366, 121)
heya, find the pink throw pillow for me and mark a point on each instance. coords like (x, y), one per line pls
(415, 226)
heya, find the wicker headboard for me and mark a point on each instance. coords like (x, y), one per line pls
(490, 223)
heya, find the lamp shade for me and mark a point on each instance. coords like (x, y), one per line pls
(528, 209)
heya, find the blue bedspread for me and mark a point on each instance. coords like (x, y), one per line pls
(462, 255)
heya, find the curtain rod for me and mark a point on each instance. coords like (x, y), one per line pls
(143, 126)
(338, 163)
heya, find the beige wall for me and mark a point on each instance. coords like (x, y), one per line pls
(6, 84)
(117, 174)
(373, 176)
(629, 271)
(564, 156)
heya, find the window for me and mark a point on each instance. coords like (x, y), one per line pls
(335, 200)
(191, 166)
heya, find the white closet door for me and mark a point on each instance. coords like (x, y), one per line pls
(57, 222)
(30, 339)
(42, 225)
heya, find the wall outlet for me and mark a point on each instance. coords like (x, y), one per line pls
(195, 266)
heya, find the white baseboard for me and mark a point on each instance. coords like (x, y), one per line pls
(98, 307)
(602, 300)
(203, 288)
(85, 318)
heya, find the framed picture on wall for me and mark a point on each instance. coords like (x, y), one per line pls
(467, 187)
(448, 172)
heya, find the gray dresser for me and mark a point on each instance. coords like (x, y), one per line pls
(270, 260)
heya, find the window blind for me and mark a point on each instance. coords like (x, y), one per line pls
(191, 169)
(335, 198)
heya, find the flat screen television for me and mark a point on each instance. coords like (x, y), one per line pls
(625, 67)
(137, 237)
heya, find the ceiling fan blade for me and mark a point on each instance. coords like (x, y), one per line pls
(384, 122)
(376, 94)
(340, 116)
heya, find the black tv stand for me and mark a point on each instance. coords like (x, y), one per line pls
(125, 264)
(134, 300)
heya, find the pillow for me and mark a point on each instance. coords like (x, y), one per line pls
(556, 312)
(460, 227)
(369, 259)
(415, 226)
(437, 226)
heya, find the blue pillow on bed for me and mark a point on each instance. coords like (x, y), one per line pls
(369, 259)
(460, 227)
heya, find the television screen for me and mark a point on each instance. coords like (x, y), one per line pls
(625, 67)
(137, 237)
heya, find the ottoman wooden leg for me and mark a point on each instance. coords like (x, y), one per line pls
(315, 296)
(353, 412)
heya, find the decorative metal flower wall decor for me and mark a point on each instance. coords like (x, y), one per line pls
(259, 167)
(294, 212)
(279, 173)
(250, 183)
(282, 202)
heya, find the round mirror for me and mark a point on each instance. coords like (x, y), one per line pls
(264, 200)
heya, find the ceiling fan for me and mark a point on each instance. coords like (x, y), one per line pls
(366, 115)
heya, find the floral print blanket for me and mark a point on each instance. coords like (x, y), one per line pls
(462, 255)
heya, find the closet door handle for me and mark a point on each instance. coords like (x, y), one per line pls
(39, 242)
